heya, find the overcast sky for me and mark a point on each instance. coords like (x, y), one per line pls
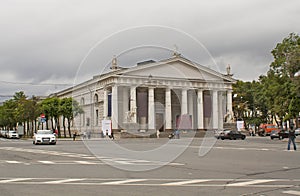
(47, 43)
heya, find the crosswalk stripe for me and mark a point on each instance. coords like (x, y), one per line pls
(292, 192)
(47, 162)
(111, 160)
(277, 183)
(13, 162)
(14, 180)
(184, 182)
(63, 181)
(249, 182)
(123, 181)
(86, 162)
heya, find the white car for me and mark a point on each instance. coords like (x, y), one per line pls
(297, 132)
(12, 134)
(44, 137)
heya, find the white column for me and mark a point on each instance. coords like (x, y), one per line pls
(184, 108)
(105, 103)
(220, 110)
(215, 108)
(191, 105)
(200, 109)
(133, 103)
(229, 101)
(168, 109)
(151, 113)
(125, 103)
(114, 105)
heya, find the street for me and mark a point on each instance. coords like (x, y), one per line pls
(255, 166)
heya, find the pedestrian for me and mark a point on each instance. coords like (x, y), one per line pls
(292, 137)
(157, 133)
(177, 133)
(251, 131)
(112, 135)
(74, 136)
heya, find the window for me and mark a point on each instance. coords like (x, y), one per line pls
(82, 101)
(97, 117)
(96, 99)
(109, 105)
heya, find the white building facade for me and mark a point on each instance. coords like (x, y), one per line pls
(170, 94)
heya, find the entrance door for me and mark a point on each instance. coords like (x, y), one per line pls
(159, 120)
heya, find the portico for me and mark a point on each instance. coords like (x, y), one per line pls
(157, 95)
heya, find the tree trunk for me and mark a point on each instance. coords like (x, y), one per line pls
(64, 125)
(24, 127)
(58, 126)
(69, 127)
(28, 132)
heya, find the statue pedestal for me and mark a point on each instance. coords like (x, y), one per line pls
(231, 126)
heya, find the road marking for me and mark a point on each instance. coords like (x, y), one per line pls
(123, 181)
(249, 182)
(86, 162)
(242, 183)
(47, 162)
(16, 162)
(292, 192)
(184, 182)
(14, 180)
(64, 181)
(73, 162)
(111, 160)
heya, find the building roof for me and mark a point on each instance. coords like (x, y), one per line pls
(175, 68)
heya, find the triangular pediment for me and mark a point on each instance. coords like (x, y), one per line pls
(177, 68)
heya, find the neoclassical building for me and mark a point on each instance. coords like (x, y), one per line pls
(163, 95)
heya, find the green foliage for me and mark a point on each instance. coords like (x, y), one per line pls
(20, 109)
(287, 56)
(277, 94)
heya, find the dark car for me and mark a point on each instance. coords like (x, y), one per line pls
(232, 135)
(279, 134)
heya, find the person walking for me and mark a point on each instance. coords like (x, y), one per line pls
(112, 135)
(157, 133)
(292, 137)
(74, 136)
(177, 133)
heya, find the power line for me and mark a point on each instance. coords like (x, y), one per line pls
(6, 95)
(36, 84)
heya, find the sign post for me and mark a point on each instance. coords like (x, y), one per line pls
(106, 127)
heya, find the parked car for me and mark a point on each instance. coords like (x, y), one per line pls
(297, 131)
(279, 134)
(44, 137)
(217, 133)
(12, 134)
(266, 129)
(3, 133)
(232, 135)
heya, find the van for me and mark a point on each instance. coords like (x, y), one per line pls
(266, 129)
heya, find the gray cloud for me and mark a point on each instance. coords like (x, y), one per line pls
(45, 42)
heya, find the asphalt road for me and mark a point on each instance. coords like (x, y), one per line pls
(255, 166)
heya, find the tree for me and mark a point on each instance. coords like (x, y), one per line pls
(287, 56)
(52, 111)
(247, 102)
(20, 100)
(286, 63)
(70, 108)
(8, 118)
(32, 112)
